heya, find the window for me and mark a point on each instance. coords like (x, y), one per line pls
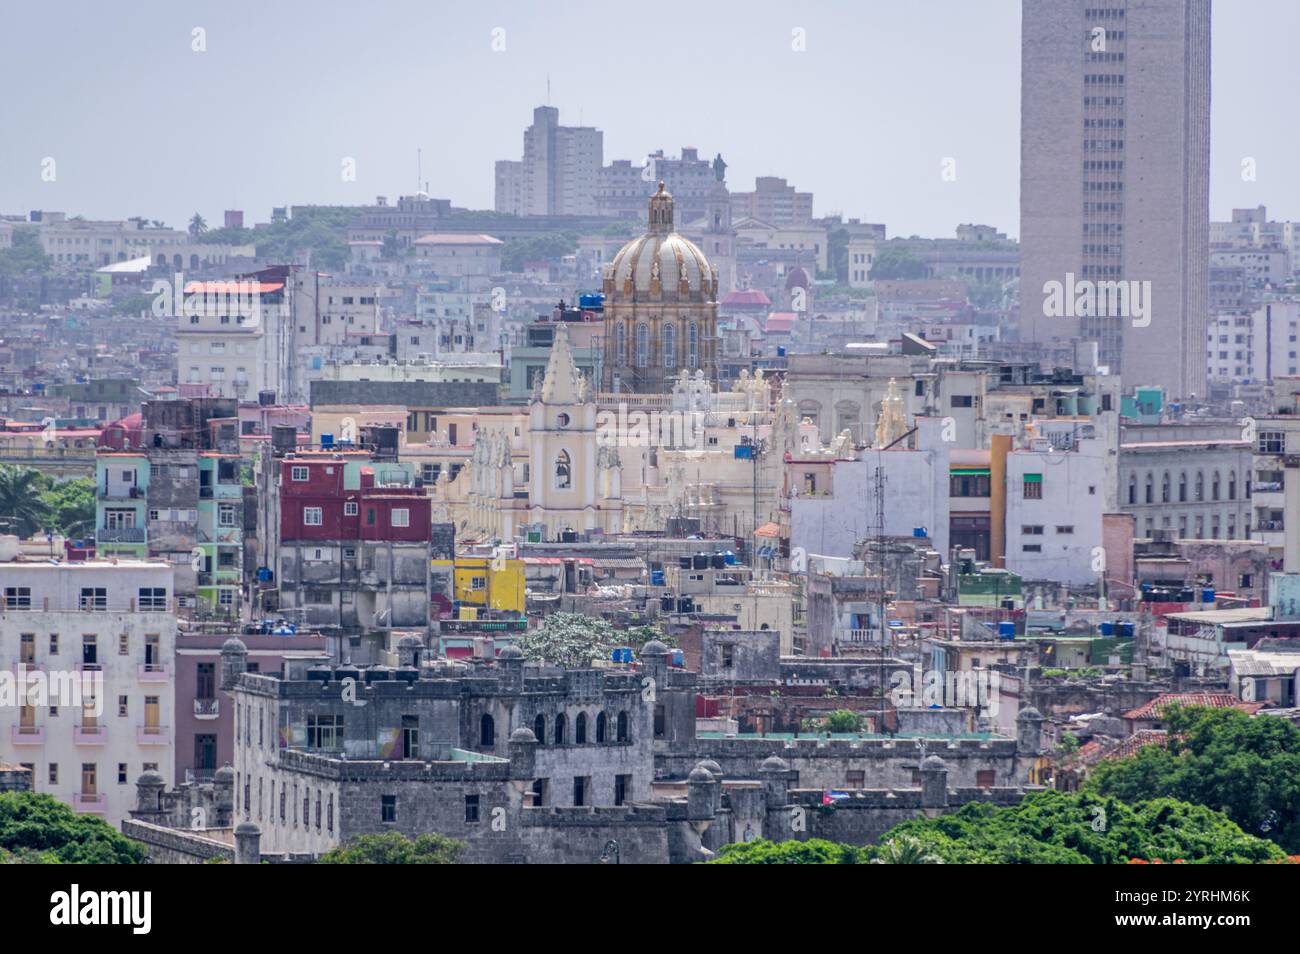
(1032, 548)
(1272, 442)
(1065, 529)
(471, 809)
(226, 515)
(580, 729)
(18, 597)
(152, 598)
(1033, 487)
(621, 733)
(298, 473)
(387, 809)
(313, 516)
(487, 732)
(1034, 530)
(401, 517)
(410, 737)
(621, 785)
(539, 729)
(94, 598)
(601, 723)
(324, 731)
(350, 508)
(54, 773)
(642, 345)
(670, 346)
(121, 773)
(561, 724)
(563, 471)
(580, 785)
(962, 400)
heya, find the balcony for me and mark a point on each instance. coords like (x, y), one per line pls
(152, 672)
(120, 535)
(207, 708)
(153, 735)
(86, 734)
(89, 802)
(27, 734)
(856, 635)
(122, 492)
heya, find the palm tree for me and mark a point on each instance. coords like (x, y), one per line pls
(905, 850)
(197, 225)
(22, 511)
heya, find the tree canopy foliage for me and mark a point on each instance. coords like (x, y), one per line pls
(394, 848)
(572, 640)
(1045, 828)
(37, 828)
(1248, 768)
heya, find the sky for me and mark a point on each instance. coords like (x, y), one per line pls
(138, 121)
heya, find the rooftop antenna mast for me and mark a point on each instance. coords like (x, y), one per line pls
(419, 167)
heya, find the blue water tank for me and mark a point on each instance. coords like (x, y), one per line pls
(678, 658)
(657, 577)
(1108, 628)
(920, 532)
(1006, 630)
(730, 557)
(1207, 596)
(327, 440)
(1125, 630)
(780, 351)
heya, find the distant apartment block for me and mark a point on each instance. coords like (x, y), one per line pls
(558, 172)
(774, 202)
(1114, 178)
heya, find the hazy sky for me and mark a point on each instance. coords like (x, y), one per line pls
(138, 123)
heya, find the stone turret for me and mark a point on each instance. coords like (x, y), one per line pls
(234, 662)
(1029, 732)
(510, 661)
(248, 844)
(934, 782)
(410, 649)
(522, 750)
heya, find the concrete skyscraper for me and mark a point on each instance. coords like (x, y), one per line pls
(1114, 183)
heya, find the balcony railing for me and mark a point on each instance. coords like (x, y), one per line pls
(153, 735)
(120, 535)
(89, 802)
(857, 635)
(89, 734)
(207, 708)
(27, 734)
(152, 672)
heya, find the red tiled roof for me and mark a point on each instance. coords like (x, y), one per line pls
(1215, 700)
(746, 296)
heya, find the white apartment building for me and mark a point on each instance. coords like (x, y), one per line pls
(1055, 502)
(70, 621)
(1258, 346)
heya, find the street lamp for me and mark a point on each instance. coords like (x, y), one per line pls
(610, 855)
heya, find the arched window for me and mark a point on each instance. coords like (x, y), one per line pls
(563, 471)
(600, 727)
(620, 731)
(560, 725)
(693, 351)
(1214, 487)
(1232, 486)
(620, 344)
(580, 729)
(1151, 488)
(642, 345)
(1164, 488)
(670, 346)
(1200, 486)
(487, 732)
(1132, 488)
(539, 728)
(1182, 487)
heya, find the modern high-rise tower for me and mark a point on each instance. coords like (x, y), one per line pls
(1114, 183)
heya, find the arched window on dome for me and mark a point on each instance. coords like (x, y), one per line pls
(670, 346)
(693, 349)
(563, 471)
(620, 344)
(642, 345)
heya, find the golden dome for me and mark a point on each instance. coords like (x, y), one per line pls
(660, 265)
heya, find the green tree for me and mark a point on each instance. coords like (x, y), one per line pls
(198, 225)
(551, 247)
(814, 851)
(394, 848)
(36, 828)
(843, 720)
(25, 254)
(1080, 828)
(905, 850)
(71, 507)
(837, 254)
(22, 508)
(1248, 768)
(895, 263)
(571, 640)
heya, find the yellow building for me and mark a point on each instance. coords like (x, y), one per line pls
(475, 582)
